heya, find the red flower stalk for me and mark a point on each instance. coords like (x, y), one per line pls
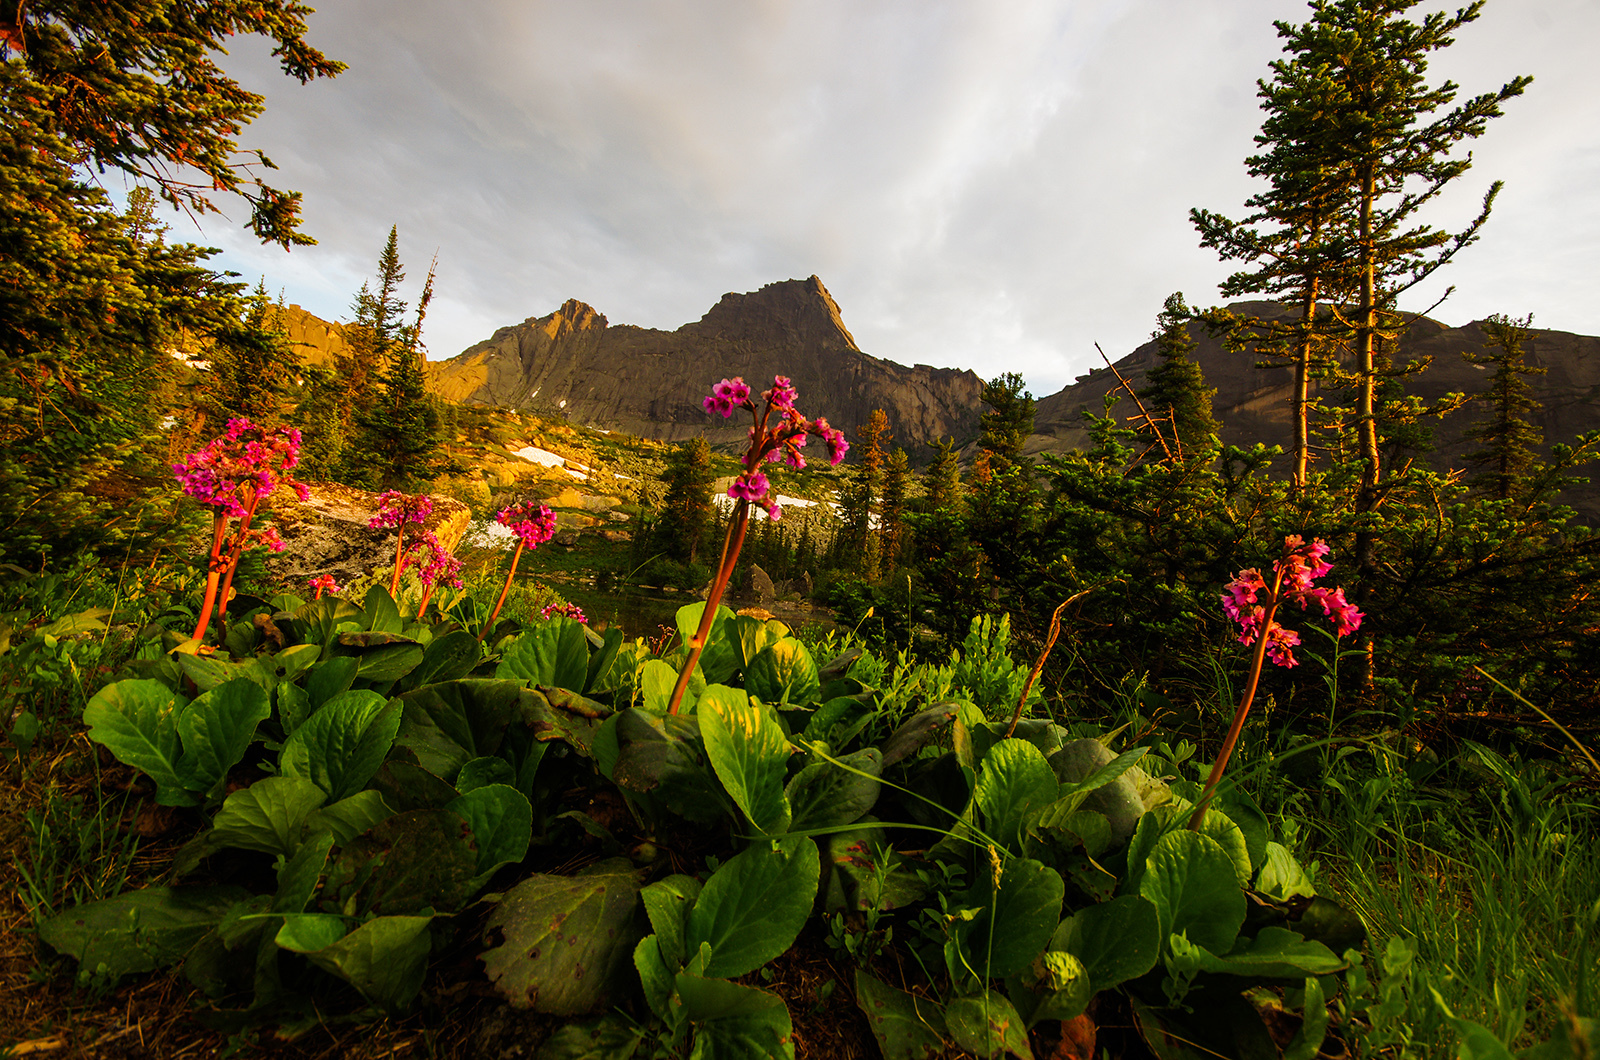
(396, 509)
(1243, 601)
(533, 524)
(232, 475)
(769, 441)
(438, 565)
(321, 584)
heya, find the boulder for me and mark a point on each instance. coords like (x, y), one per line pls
(761, 586)
(327, 533)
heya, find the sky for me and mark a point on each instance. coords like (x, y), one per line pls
(994, 186)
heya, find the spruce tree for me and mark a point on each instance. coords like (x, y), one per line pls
(891, 516)
(1175, 394)
(684, 526)
(1510, 441)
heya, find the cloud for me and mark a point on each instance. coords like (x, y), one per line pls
(979, 186)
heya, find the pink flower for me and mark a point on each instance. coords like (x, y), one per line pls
(397, 509)
(572, 611)
(244, 464)
(783, 394)
(438, 565)
(750, 486)
(1301, 565)
(533, 523)
(727, 396)
(323, 583)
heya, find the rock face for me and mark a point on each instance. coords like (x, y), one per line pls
(650, 383)
(1252, 403)
(328, 534)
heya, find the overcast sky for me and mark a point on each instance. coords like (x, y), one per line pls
(986, 185)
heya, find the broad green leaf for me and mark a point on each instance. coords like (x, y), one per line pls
(137, 721)
(824, 794)
(667, 902)
(1116, 941)
(597, 679)
(342, 745)
(447, 658)
(309, 932)
(987, 1025)
(561, 940)
(1066, 987)
(1313, 1031)
(720, 659)
(1015, 781)
(610, 1037)
(782, 673)
(753, 636)
(295, 660)
(917, 732)
(137, 931)
(554, 653)
(656, 977)
(656, 681)
(1017, 919)
(450, 723)
(754, 905)
(405, 785)
(662, 757)
(733, 1022)
(501, 818)
(381, 664)
(1192, 882)
(749, 752)
(866, 872)
(406, 864)
(381, 613)
(1230, 837)
(299, 875)
(1276, 953)
(216, 730)
(208, 671)
(348, 818)
(268, 816)
(319, 620)
(481, 771)
(385, 959)
(562, 714)
(329, 678)
(839, 720)
(1281, 876)
(294, 706)
(907, 1027)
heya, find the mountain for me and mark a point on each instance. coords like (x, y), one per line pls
(1253, 402)
(650, 382)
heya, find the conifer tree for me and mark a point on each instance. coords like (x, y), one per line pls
(858, 547)
(684, 525)
(1510, 442)
(944, 478)
(1175, 394)
(892, 511)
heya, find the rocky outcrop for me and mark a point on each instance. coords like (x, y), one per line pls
(327, 533)
(1252, 402)
(650, 383)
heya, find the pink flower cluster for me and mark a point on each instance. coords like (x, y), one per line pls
(267, 535)
(438, 565)
(397, 509)
(771, 443)
(532, 522)
(1301, 565)
(247, 457)
(322, 583)
(572, 611)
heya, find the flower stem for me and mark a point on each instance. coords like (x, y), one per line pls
(1234, 730)
(730, 556)
(214, 570)
(498, 604)
(239, 542)
(399, 556)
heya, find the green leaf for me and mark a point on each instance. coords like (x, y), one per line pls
(1015, 781)
(1313, 1030)
(1276, 953)
(749, 752)
(987, 1025)
(309, 932)
(1281, 876)
(561, 940)
(656, 681)
(866, 872)
(600, 663)
(137, 721)
(720, 659)
(320, 619)
(607, 1038)
(907, 1027)
(734, 1022)
(348, 818)
(782, 673)
(481, 771)
(1230, 837)
(655, 977)
(754, 905)
(501, 818)
(823, 795)
(1066, 985)
(667, 902)
(449, 723)
(385, 959)
(216, 730)
(329, 678)
(294, 706)
(299, 875)
(917, 732)
(1191, 881)
(406, 864)
(1116, 941)
(268, 816)
(407, 786)
(449, 657)
(554, 653)
(753, 636)
(381, 613)
(662, 756)
(1017, 920)
(381, 663)
(137, 931)
(839, 720)
(342, 745)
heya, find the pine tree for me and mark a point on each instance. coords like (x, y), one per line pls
(891, 518)
(858, 547)
(684, 526)
(943, 478)
(1510, 442)
(1175, 394)
(1008, 422)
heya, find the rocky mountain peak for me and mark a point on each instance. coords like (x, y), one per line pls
(788, 313)
(573, 316)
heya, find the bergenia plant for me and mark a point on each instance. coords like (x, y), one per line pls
(572, 611)
(1253, 604)
(396, 511)
(771, 439)
(533, 524)
(232, 475)
(322, 583)
(438, 565)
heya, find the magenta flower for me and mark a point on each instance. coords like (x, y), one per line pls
(572, 611)
(1301, 565)
(533, 523)
(322, 583)
(396, 509)
(783, 394)
(750, 486)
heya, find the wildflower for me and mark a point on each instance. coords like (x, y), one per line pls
(572, 611)
(437, 565)
(750, 486)
(322, 583)
(1301, 565)
(533, 524)
(396, 511)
